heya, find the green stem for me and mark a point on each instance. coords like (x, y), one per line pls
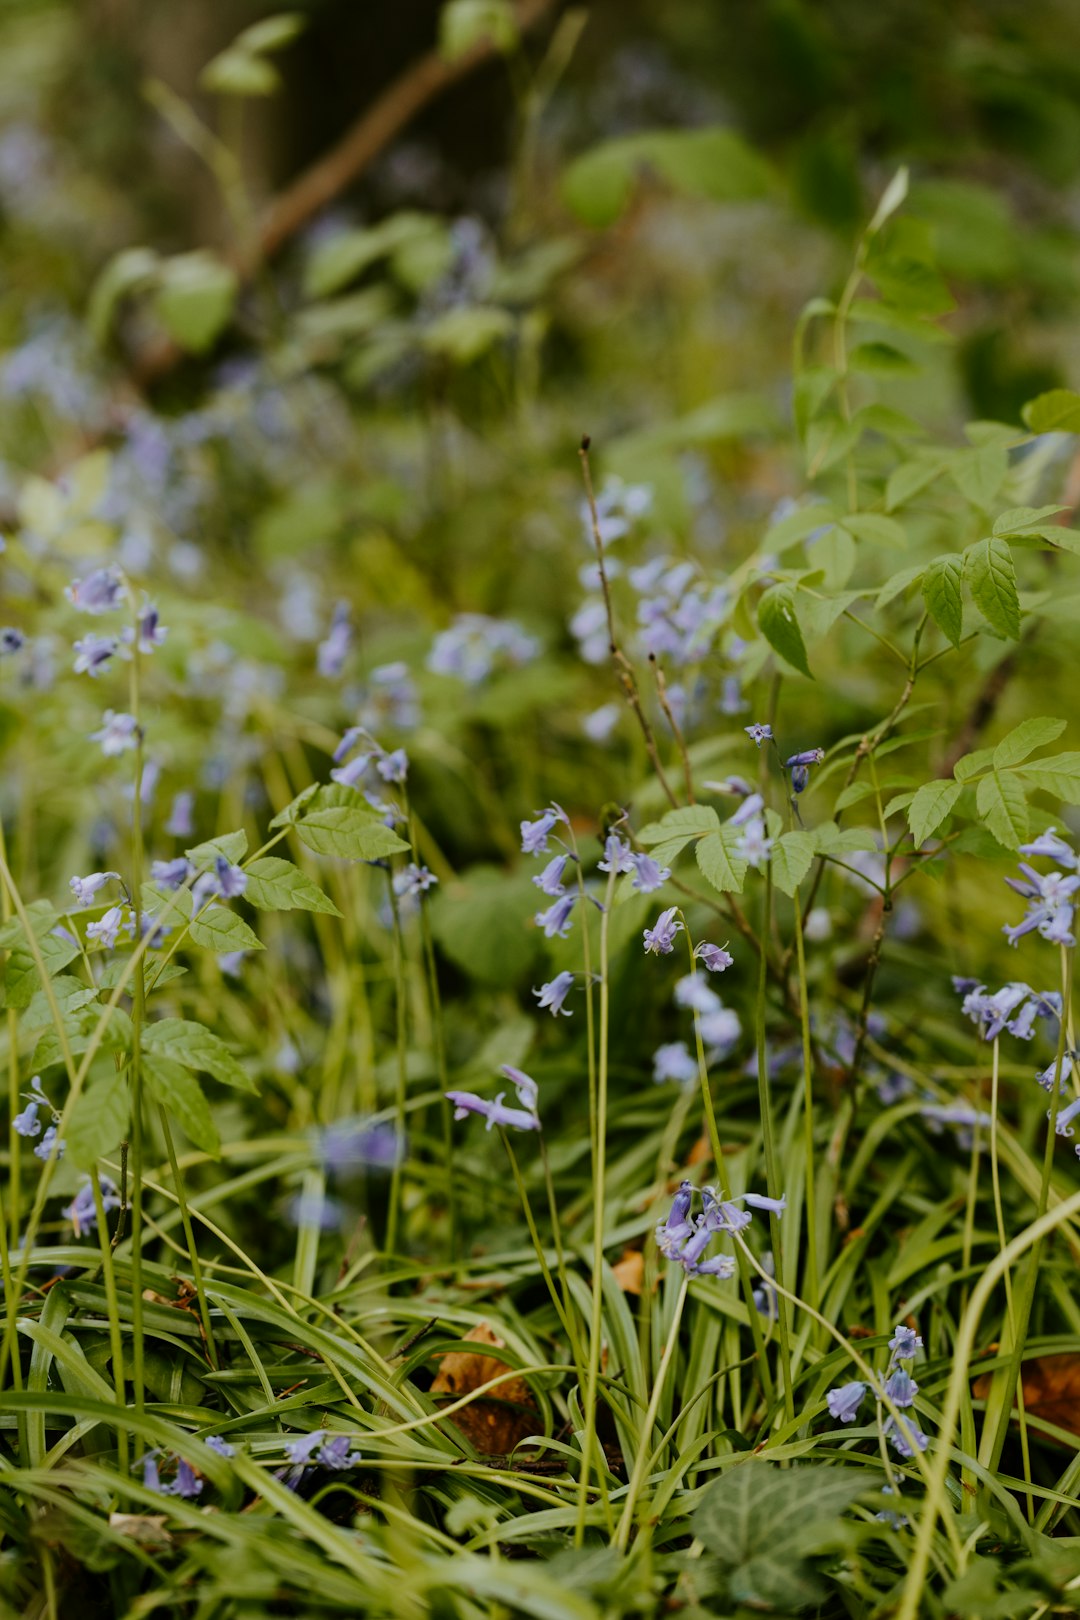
(138, 1019)
(772, 1179)
(645, 1445)
(189, 1236)
(116, 1341)
(393, 1217)
(812, 1283)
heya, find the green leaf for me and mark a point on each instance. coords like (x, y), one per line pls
(272, 33)
(220, 930)
(236, 72)
(719, 863)
(942, 594)
(71, 995)
(182, 1097)
(20, 971)
(780, 626)
(880, 359)
(1003, 807)
(1025, 738)
(195, 299)
(969, 766)
(1059, 775)
(689, 821)
(792, 857)
(293, 810)
(909, 479)
(781, 536)
(992, 578)
(1055, 412)
(739, 1513)
(897, 584)
(99, 1120)
(484, 923)
(931, 805)
(714, 163)
(233, 846)
(876, 529)
(466, 24)
(181, 1040)
(337, 821)
(1026, 519)
(829, 839)
(980, 472)
(129, 272)
(853, 795)
(277, 885)
(898, 802)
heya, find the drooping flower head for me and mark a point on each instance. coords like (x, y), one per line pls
(554, 993)
(799, 766)
(99, 592)
(660, 938)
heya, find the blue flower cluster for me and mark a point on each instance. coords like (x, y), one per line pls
(27, 1124)
(899, 1387)
(685, 1237)
(1049, 895)
(525, 1118)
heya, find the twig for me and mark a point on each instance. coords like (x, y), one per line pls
(665, 704)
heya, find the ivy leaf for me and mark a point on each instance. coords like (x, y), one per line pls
(100, 1118)
(932, 804)
(739, 1512)
(1003, 807)
(792, 857)
(718, 862)
(1059, 775)
(943, 597)
(277, 885)
(181, 1096)
(221, 931)
(1025, 738)
(182, 1040)
(780, 626)
(992, 578)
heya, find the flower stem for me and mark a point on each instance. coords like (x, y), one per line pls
(772, 1179)
(645, 1448)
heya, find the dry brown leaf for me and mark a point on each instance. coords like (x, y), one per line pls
(496, 1424)
(148, 1529)
(1051, 1386)
(629, 1272)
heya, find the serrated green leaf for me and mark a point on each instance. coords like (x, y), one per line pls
(854, 795)
(780, 626)
(337, 821)
(294, 809)
(21, 978)
(1057, 411)
(930, 806)
(1025, 519)
(792, 857)
(876, 529)
(968, 766)
(980, 472)
(739, 1512)
(1059, 775)
(719, 863)
(909, 479)
(233, 846)
(689, 821)
(71, 994)
(829, 839)
(942, 594)
(992, 578)
(182, 1097)
(117, 1036)
(898, 802)
(99, 1120)
(277, 885)
(898, 583)
(1025, 738)
(184, 1041)
(221, 931)
(1003, 807)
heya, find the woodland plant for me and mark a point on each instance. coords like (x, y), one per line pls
(742, 1303)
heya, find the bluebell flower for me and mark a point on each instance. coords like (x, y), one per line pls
(494, 1111)
(905, 1343)
(527, 1090)
(1053, 848)
(1050, 905)
(901, 1388)
(348, 742)
(1045, 1079)
(118, 733)
(316, 1211)
(649, 875)
(85, 888)
(412, 880)
(598, 725)
(393, 767)
(99, 592)
(11, 640)
(27, 1123)
(106, 929)
(715, 1265)
(534, 834)
(222, 1447)
(171, 874)
(358, 1144)
(474, 644)
(715, 957)
(892, 1087)
(720, 1030)
(844, 1401)
(759, 733)
(554, 993)
(799, 766)
(1063, 1123)
(660, 938)
(93, 654)
(82, 1211)
(49, 1144)
(897, 1521)
(187, 1483)
(550, 880)
(555, 921)
(181, 823)
(674, 1061)
(753, 844)
(330, 655)
(151, 632)
(150, 1473)
(723, 1214)
(336, 1452)
(303, 1449)
(905, 1435)
(225, 882)
(352, 773)
(731, 698)
(617, 855)
(692, 991)
(775, 1206)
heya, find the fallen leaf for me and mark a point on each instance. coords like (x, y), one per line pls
(148, 1529)
(629, 1272)
(499, 1422)
(1051, 1386)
